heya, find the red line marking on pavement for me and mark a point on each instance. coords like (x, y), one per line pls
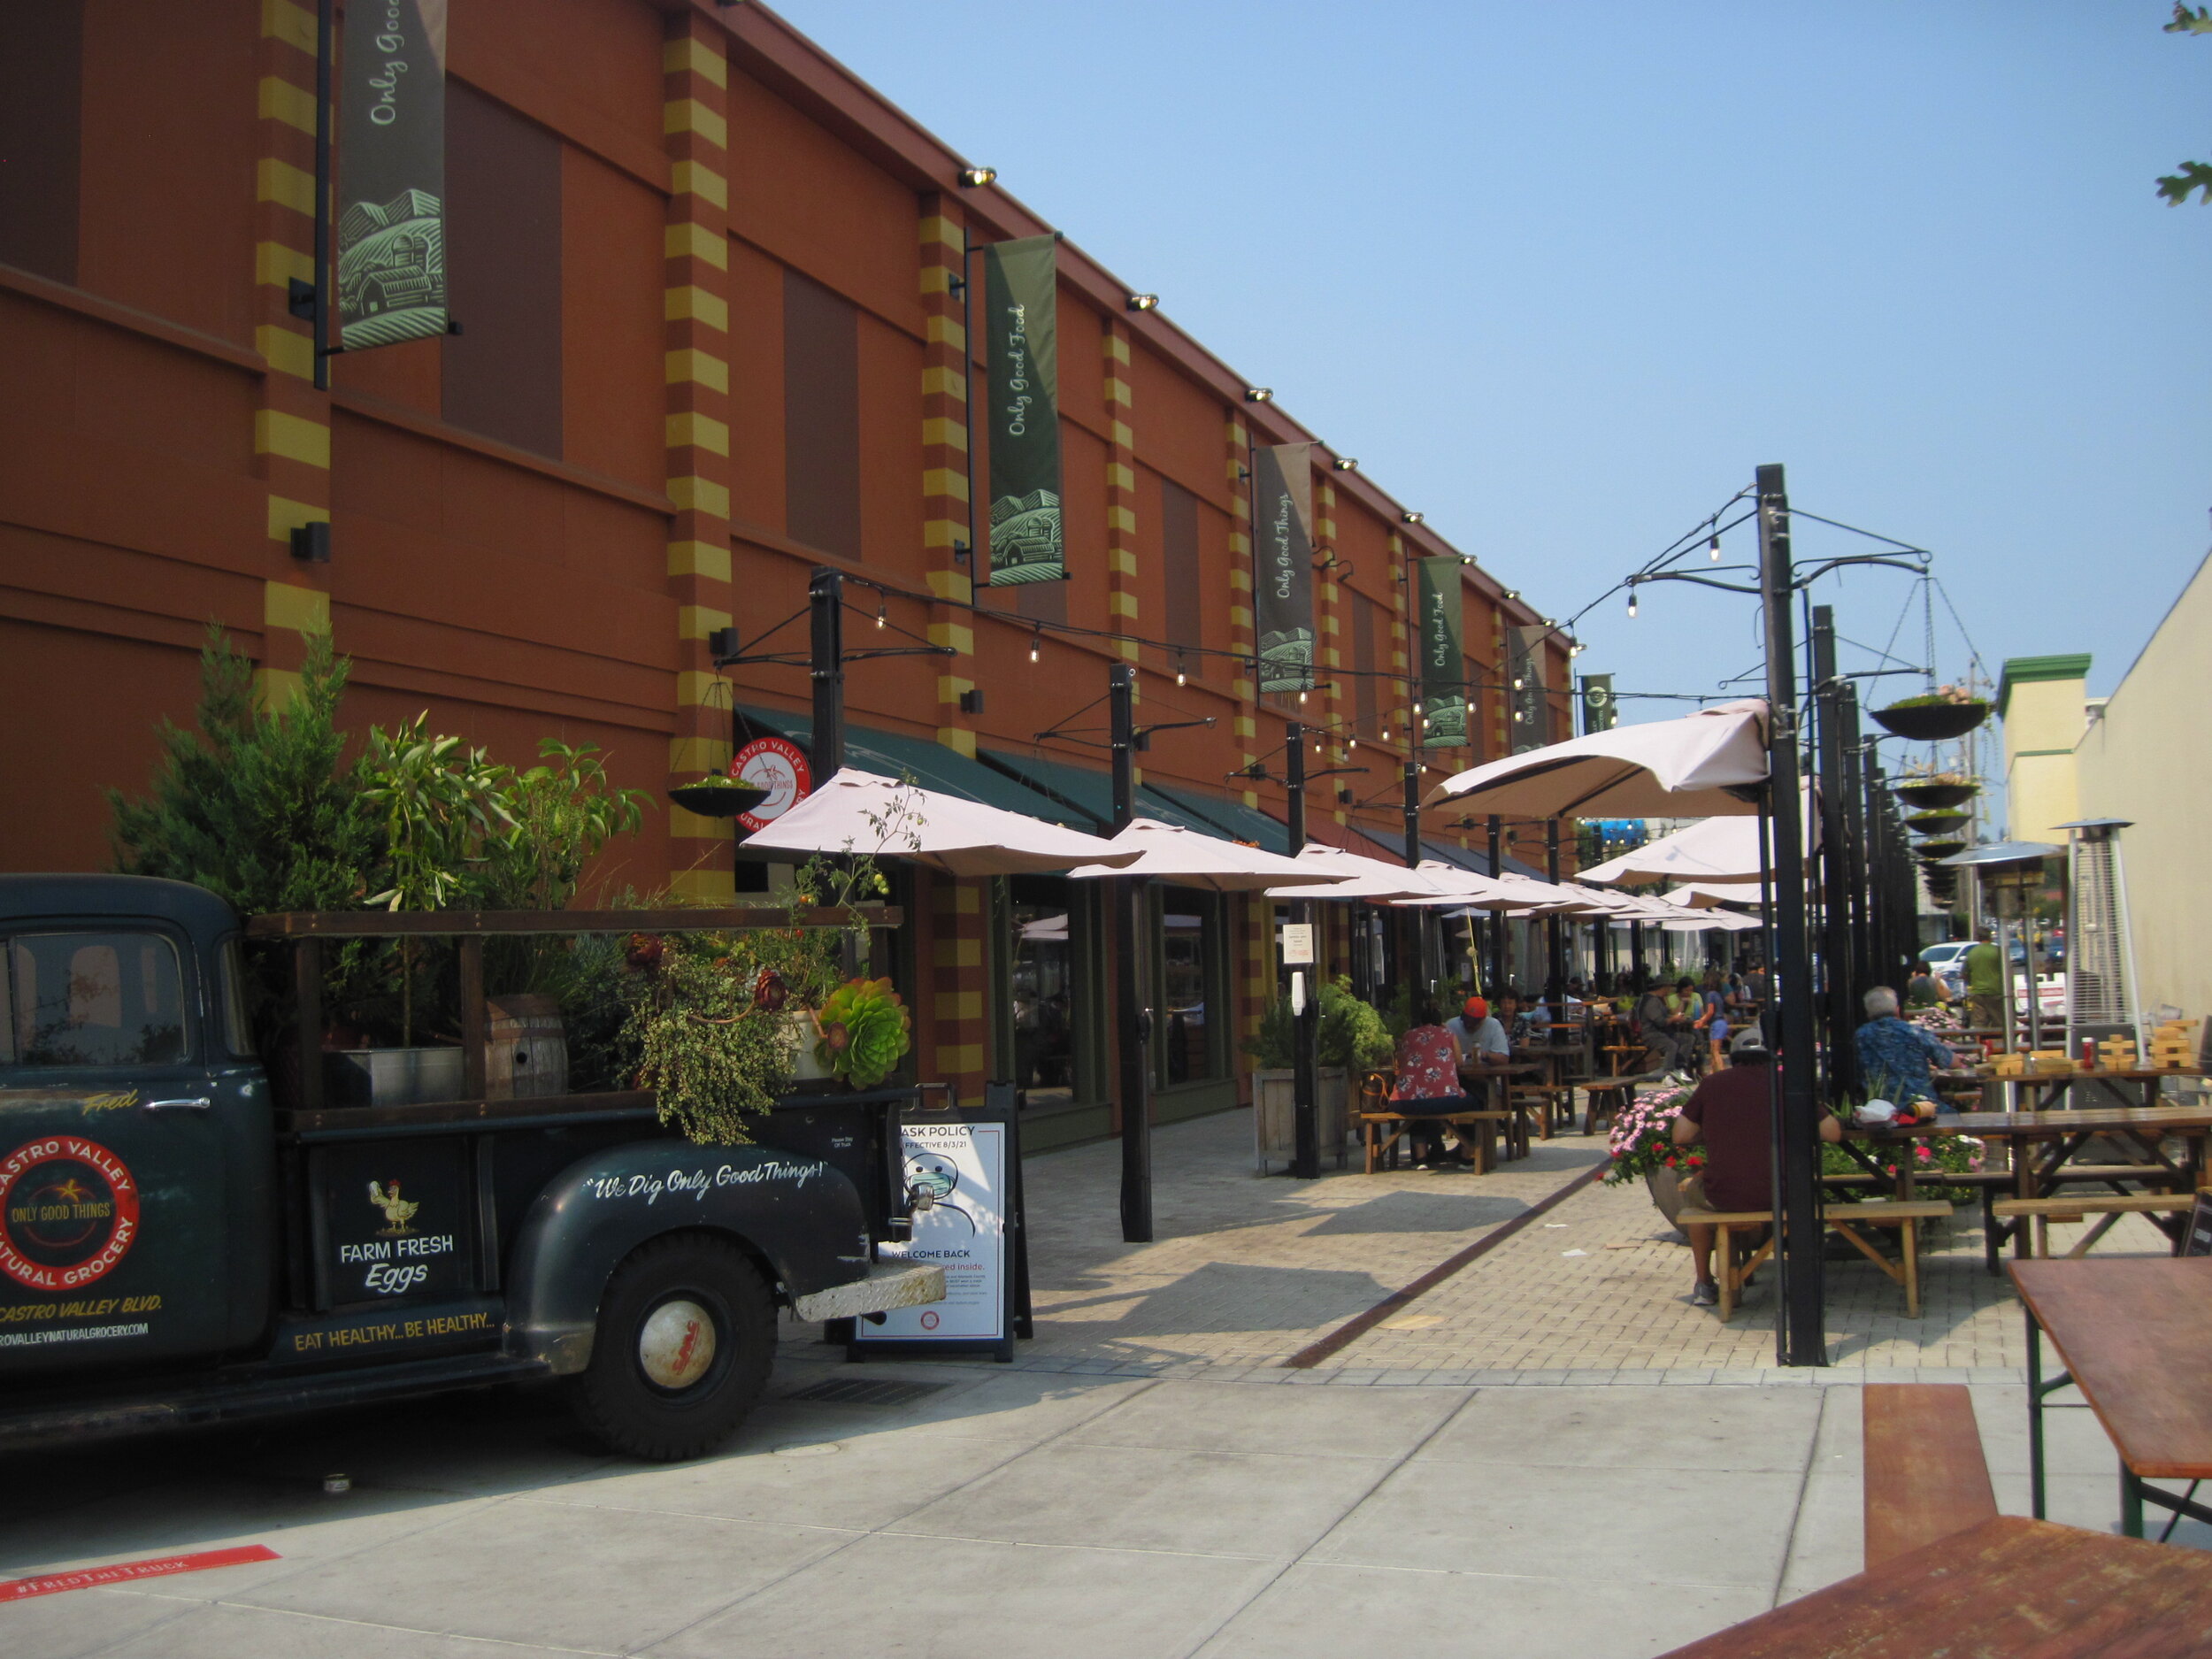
(158, 1567)
(1359, 1324)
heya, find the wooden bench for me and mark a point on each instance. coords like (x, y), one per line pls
(1383, 1148)
(1926, 1476)
(1603, 1098)
(1845, 1218)
(1545, 1099)
(2040, 1212)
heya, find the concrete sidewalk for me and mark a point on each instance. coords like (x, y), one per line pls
(988, 1514)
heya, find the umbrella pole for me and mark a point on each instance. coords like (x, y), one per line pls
(1131, 1019)
(1555, 930)
(1497, 921)
(1798, 1338)
(1305, 1023)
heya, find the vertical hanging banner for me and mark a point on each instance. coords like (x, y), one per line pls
(1599, 713)
(1531, 709)
(1439, 631)
(1282, 557)
(1021, 328)
(391, 207)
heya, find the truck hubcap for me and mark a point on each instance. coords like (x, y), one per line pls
(675, 1345)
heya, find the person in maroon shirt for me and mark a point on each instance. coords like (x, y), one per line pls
(1730, 1111)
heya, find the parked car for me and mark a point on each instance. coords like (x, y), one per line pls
(1948, 962)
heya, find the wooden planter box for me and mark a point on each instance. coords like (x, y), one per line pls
(1275, 1122)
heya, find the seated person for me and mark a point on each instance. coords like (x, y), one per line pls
(1731, 1113)
(1895, 1055)
(1426, 1085)
(1654, 1025)
(1925, 990)
(1512, 1017)
(1484, 1051)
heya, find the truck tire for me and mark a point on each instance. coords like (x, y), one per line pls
(687, 1332)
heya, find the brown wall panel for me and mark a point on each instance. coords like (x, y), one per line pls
(803, 197)
(890, 426)
(99, 698)
(410, 374)
(1178, 427)
(1083, 460)
(821, 417)
(1182, 583)
(611, 335)
(1083, 362)
(40, 110)
(584, 65)
(108, 436)
(756, 450)
(503, 245)
(169, 152)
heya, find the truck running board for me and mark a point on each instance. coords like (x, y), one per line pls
(220, 1402)
(888, 1285)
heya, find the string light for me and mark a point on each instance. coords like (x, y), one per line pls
(1035, 638)
(882, 606)
(1351, 743)
(1301, 699)
(1713, 546)
(1181, 676)
(1632, 607)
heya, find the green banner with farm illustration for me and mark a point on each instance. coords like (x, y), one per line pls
(1021, 410)
(390, 206)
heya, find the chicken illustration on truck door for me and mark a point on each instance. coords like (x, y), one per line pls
(398, 1211)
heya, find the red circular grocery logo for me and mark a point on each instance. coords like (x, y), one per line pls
(778, 766)
(68, 1212)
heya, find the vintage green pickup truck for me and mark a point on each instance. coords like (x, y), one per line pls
(178, 1245)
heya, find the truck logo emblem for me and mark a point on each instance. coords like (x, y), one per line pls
(398, 1211)
(68, 1212)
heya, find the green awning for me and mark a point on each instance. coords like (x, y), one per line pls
(1237, 820)
(1091, 792)
(931, 766)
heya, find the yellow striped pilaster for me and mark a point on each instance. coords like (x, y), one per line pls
(1121, 492)
(1403, 722)
(959, 1030)
(1330, 621)
(1258, 987)
(291, 432)
(696, 362)
(1243, 635)
(945, 467)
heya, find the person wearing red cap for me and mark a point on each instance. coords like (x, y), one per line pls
(1480, 1035)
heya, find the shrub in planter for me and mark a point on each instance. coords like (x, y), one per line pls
(1352, 1034)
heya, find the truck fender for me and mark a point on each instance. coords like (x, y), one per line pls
(802, 1217)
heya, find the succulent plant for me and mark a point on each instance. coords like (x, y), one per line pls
(864, 1028)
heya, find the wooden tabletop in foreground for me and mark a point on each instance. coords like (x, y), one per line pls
(2167, 1119)
(2008, 1589)
(2136, 1335)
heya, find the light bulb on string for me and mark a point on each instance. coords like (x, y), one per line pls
(1181, 677)
(1713, 546)
(1036, 638)
(881, 617)
(1631, 605)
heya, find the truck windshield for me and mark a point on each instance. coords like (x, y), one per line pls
(93, 1000)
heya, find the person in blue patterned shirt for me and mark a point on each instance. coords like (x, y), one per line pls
(1894, 1055)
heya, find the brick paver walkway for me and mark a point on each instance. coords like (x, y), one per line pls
(1245, 1270)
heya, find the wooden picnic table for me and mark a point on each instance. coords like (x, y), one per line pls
(2009, 1585)
(2058, 1082)
(2041, 1144)
(2135, 1336)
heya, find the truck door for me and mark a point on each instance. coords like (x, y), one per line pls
(125, 1121)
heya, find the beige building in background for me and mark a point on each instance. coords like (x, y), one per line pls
(2146, 756)
(2042, 701)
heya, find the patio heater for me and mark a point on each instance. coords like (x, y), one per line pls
(2011, 872)
(2100, 987)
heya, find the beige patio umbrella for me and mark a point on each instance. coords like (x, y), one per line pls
(1359, 876)
(1186, 858)
(1458, 888)
(1705, 895)
(1713, 762)
(1716, 849)
(859, 812)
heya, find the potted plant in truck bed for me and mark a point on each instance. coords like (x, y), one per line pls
(1948, 713)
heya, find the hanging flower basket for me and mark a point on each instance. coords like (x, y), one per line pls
(715, 797)
(1932, 852)
(1934, 718)
(1935, 823)
(1937, 794)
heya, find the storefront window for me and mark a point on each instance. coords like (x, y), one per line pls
(1044, 993)
(1190, 950)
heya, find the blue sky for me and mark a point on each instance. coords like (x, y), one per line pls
(1561, 274)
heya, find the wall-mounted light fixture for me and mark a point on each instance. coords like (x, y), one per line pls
(1348, 464)
(960, 551)
(975, 178)
(1259, 394)
(1144, 302)
(1411, 518)
(721, 643)
(972, 701)
(310, 543)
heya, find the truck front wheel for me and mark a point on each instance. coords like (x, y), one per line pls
(687, 1331)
